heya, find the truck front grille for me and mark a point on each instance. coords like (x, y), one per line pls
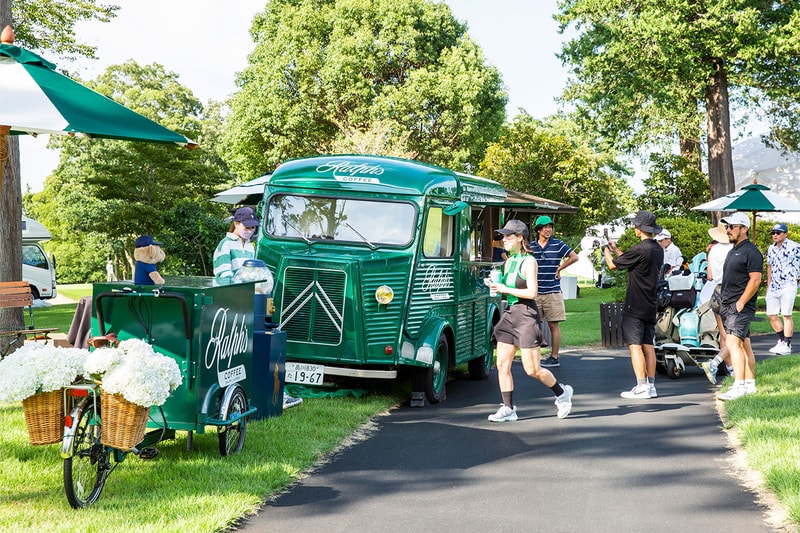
(312, 305)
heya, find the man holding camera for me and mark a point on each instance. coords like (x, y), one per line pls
(643, 263)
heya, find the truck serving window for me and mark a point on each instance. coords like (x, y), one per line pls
(341, 219)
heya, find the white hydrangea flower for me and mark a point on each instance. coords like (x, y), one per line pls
(141, 375)
(101, 361)
(38, 368)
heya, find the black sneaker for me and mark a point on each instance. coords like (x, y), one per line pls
(550, 362)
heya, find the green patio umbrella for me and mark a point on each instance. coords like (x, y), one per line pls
(754, 198)
(35, 99)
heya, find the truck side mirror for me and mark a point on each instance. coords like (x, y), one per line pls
(455, 208)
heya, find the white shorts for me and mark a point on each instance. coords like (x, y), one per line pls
(781, 300)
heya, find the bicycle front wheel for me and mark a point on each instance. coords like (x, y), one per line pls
(85, 471)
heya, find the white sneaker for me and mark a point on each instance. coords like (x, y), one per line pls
(779, 346)
(785, 349)
(733, 393)
(504, 414)
(711, 371)
(637, 393)
(652, 391)
(750, 389)
(564, 402)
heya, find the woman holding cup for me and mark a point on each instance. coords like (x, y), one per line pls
(519, 327)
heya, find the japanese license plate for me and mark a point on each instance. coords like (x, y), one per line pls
(305, 373)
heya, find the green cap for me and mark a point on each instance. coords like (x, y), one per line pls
(542, 220)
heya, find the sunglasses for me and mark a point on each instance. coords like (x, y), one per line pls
(731, 226)
(776, 232)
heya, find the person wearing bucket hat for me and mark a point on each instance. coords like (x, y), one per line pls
(783, 269)
(741, 278)
(519, 327)
(552, 256)
(711, 290)
(643, 263)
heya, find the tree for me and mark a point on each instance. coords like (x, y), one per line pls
(674, 186)
(391, 76)
(38, 24)
(554, 160)
(107, 192)
(653, 72)
(50, 25)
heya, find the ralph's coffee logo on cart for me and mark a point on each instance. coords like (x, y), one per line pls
(228, 339)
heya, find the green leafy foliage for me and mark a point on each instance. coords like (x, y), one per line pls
(552, 159)
(674, 186)
(653, 73)
(105, 193)
(396, 77)
(50, 25)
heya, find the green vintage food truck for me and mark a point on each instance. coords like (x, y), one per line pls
(379, 265)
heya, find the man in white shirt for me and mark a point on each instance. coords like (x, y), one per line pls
(672, 254)
(783, 269)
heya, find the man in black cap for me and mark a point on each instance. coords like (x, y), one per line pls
(643, 263)
(783, 269)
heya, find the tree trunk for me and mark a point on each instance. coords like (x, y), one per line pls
(690, 150)
(10, 213)
(720, 158)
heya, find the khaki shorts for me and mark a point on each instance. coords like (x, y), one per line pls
(551, 306)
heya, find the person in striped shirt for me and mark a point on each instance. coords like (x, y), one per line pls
(231, 253)
(235, 248)
(552, 255)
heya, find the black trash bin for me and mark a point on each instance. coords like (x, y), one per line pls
(611, 324)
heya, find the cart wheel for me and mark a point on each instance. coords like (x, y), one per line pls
(673, 370)
(231, 438)
(86, 470)
(432, 380)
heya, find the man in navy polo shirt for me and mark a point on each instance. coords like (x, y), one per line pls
(550, 256)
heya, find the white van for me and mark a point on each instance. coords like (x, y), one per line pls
(38, 268)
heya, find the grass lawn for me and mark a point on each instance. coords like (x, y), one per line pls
(200, 491)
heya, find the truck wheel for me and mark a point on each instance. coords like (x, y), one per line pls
(432, 380)
(479, 368)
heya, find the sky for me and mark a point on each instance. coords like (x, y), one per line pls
(206, 42)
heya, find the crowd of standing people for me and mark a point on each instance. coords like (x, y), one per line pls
(531, 285)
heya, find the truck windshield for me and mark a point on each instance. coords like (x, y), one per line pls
(368, 222)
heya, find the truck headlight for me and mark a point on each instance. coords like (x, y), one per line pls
(384, 294)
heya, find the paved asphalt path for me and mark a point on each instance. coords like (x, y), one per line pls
(613, 465)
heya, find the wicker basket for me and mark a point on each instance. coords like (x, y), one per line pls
(124, 423)
(44, 416)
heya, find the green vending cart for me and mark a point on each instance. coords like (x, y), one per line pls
(208, 330)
